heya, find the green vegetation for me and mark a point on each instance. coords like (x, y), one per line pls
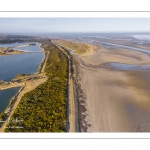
(44, 109)
(78, 47)
(20, 75)
(3, 117)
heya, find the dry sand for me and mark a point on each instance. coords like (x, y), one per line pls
(116, 101)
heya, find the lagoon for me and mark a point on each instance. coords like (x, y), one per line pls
(12, 65)
(6, 96)
(28, 63)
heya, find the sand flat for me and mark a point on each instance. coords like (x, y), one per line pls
(105, 101)
(116, 101)
(121, 55)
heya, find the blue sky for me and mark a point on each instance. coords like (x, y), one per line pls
(63, 25)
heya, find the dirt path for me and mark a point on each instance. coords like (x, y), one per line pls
(72, 122)
(42, 70)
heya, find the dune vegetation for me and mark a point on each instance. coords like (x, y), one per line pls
(78, 48)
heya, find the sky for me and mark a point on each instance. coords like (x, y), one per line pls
(73, 25)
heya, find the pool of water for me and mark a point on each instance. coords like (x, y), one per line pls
(121, 66)
(6, 96)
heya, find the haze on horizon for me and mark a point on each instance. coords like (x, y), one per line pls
(73, 25)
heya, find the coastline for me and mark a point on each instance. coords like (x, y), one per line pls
(101, 99)
(115, 100)
(109, 100)
(77, 115)
(82, 78)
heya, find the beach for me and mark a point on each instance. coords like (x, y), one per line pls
(114, 100)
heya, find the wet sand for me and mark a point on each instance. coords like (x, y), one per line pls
(115, 100)
(27, 86)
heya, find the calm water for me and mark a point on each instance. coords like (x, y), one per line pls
(35, 48)
(13, 44)
(23, 46)
(11, 65)
(6, 96)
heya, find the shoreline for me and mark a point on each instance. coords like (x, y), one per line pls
(43, 60)
(14, 99)
(16, 52)
(72, 124)
(106, 97)
(77, 116)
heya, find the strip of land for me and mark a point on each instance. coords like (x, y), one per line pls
(10, 51)
(72, 108)
(44, 108)
(111, 100)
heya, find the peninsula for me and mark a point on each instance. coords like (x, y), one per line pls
(9, 51)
